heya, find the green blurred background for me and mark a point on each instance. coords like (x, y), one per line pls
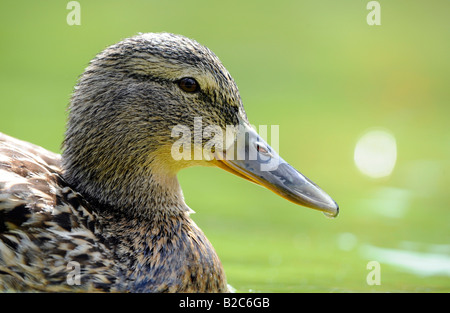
(317, 69)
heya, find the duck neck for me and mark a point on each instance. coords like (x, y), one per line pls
(133, 186)
(144, 220)
(162, 253)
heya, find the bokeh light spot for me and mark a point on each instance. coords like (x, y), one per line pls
(376, 153)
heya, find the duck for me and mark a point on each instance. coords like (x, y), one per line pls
(108, 214)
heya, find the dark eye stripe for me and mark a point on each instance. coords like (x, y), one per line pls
(189, 84)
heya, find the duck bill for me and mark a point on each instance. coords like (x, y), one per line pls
(250, 157)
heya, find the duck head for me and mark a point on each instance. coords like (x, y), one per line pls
(154, 104)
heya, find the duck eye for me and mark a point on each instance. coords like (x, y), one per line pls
(188, 84)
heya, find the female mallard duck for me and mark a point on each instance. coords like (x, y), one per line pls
(110, 209)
